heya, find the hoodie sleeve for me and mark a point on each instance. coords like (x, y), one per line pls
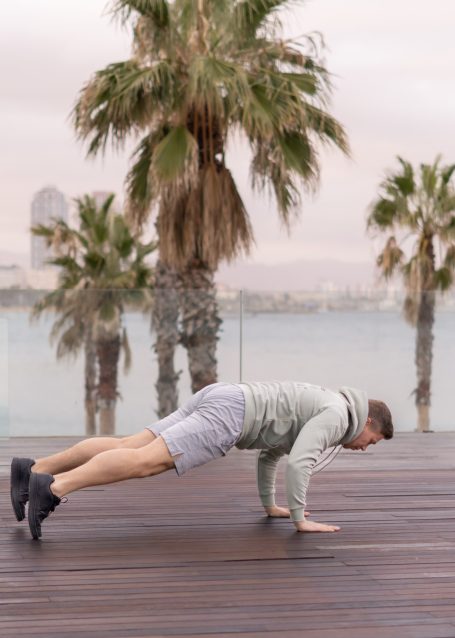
(267, 464)
(319, 433)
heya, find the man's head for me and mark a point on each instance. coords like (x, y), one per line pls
(378, 426)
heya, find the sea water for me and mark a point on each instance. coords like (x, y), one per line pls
(369, 350)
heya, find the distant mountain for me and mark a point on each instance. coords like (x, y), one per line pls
(297, 275)
(303, 274)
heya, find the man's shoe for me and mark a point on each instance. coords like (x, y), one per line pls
(20, 476)
(42, 501)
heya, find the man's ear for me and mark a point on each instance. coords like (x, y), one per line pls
(372, 425)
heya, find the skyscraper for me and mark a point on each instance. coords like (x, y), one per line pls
(47, 204)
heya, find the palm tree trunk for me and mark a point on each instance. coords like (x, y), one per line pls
(424, 336)
(200, 323)
(165, 325)
(108, 352)
(90, 383)
(423, 358)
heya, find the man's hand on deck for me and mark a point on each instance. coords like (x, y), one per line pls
(279, 512)
(312, 526)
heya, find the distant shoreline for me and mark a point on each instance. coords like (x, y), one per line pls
(266, 303)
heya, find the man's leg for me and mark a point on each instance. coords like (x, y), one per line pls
(79, 454)
(115, 465)
(88, 448)
(107, 467)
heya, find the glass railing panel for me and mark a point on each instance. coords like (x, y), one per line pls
(4, 379)
(47, 389)
(356, 339)
(329, 338)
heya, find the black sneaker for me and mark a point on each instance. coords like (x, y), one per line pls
(20, 476)
(42, 501)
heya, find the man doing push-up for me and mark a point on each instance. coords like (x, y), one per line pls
(277, 418)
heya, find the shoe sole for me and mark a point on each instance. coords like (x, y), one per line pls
(35, 527)
(16, 476)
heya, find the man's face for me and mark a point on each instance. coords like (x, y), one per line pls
(368, 436)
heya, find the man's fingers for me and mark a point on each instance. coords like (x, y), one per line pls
(312, 526)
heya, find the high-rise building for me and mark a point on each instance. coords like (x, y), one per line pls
(47, 204)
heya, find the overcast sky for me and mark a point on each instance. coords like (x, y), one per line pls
(394, 67)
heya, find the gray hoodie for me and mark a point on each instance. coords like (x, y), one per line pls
(302, 420)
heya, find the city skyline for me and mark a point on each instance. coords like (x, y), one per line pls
(391, 93)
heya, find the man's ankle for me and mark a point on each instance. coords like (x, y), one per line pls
(57, 489)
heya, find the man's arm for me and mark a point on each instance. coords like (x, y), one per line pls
(267, 463)
(318, 434)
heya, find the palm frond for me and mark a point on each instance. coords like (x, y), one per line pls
(412, 274)
(216, 83)
(250, 15)
(106, 206)
(429, 176)
(326, 128)
(443, 278)
(140, 187)
(151, 41)
(411, 307)
(449, 259)
(404, 182)
(298, 154)
(119, 100)
(52, 301)
(127, 354)
(156, 10)
(71, 341)
(40, 230)
(391, 258)
(446, 174)
(174, 158)
(213, 203)
(383, 214)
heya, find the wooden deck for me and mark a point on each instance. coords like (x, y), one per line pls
(196, 557)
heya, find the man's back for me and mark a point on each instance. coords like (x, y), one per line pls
(275, 412)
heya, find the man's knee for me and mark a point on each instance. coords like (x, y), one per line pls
(124, 442)
(154, 458)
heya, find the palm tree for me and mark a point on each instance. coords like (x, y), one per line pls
(423, 205)
(201, 72)
(102, 272)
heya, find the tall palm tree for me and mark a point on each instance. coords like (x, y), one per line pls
(102, 272)
(421, 205)
(201, 72)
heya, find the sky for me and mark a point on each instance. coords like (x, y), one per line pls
(393, 66)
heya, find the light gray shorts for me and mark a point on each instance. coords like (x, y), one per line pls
(205, 428)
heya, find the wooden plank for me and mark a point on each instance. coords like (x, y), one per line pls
(196, 557)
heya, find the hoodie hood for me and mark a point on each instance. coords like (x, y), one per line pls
(357, 403)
